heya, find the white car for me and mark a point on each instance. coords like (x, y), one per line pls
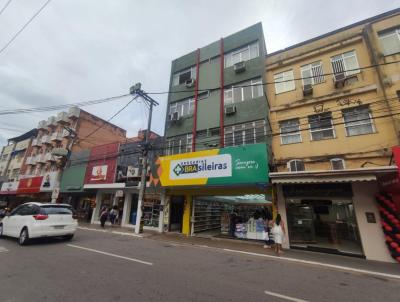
(35, 220)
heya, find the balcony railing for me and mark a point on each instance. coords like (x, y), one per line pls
(56, 136)
(40, 158)
(49, 157)
(73, 112)
(36, 142)
(30, 160)
(62, 118)
(45, 139)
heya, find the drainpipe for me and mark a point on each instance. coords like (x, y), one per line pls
(367, 35)
(196, 96)
(221, 105)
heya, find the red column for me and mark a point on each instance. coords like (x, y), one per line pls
(196, 96)
(221, 107)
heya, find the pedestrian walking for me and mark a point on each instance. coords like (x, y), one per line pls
(104, 216)
(278, 231)
(113, 215)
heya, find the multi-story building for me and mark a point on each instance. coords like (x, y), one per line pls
(55, 139)
(335, 118)
(215, 133)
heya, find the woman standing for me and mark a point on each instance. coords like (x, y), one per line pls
(278, 230)
(104, 216)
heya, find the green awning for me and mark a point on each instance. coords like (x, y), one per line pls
(72, 179)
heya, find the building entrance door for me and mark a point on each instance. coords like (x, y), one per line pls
(176, 212)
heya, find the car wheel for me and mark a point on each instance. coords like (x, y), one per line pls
(23, 237)
(1, 230)
(68, 237)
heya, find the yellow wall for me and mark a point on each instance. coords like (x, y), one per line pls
(187, 213)
(374, 148)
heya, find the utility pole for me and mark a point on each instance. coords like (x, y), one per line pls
(136, 89)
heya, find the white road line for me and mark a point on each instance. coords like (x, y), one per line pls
(112, 232)
(339, 267)
(3, 249)
(283, 296)
(109, 254)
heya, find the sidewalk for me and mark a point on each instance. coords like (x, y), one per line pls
(256, 249)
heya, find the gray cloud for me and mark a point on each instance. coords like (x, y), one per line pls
(84, 50)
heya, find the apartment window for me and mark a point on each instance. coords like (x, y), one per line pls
(4, 157)
(321, 126)
(390, 41)
(290, 131)
(179, 144)
(345, 64)
(185, 107)
(243, 91)
(246, 53)
(183, 76)
(358, 120)
(14, 174)
(296, 165)
(312, 74)
(337, 164)
(243, 134)
(284, 82)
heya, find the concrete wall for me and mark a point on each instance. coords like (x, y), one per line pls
(372, 237)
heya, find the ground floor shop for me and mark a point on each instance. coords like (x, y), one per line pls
(333, 212)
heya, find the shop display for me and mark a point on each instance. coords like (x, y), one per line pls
(151, 212)
(207, 215)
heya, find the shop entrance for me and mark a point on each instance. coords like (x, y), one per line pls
(176, 213)
(326, 225)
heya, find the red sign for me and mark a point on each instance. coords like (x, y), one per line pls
(396, 157)
(102, 164)
(30, 185)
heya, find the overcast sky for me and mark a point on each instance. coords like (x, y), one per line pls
(78, 50)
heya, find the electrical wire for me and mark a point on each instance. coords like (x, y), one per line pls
(5, 6)
(24, 26)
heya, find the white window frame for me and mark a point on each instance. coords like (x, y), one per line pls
(315, 78)
(175, 77)
(298, 133)
(289, 165)
(185, 144)
(395, 33)
(179, 107)
(342, 57)
(286, 79)
(228, 57)
(253, 84)
(360, 123)
(320, 130)
(338, 159)
(242, 128)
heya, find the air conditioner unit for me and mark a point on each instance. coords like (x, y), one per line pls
(239, 67)
(339, 80)
(189, 83)
(307, 90)
(132, 172)
(174, 117)
(231, 109)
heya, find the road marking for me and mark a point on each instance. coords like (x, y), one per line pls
(283, 297)
(112, 232)
(3, 249)
(344, 268)
(109, 254)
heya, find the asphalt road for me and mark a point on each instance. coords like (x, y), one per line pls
(97, 266)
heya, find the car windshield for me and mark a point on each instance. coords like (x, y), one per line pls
(56, 210)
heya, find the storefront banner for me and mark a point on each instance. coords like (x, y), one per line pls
(10, 187)
(102, 164)
(396, 157)
(99, 173)
(49, 182)
(228, 166)
(30, 185)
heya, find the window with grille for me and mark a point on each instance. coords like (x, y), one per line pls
(345, 65)
(245, 53)
(312, 74)
(337, 164)
(390, 41)
(179, 144)
(185, 107)
(358, 120)
(183, 76)
(284, 82)
(243, 91)
(296, 165)
(243, 134)
(321, 126)
(290, 131)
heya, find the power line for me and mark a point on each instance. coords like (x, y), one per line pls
(5, 6)
(25, 26)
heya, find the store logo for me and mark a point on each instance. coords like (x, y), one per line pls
(202, 167)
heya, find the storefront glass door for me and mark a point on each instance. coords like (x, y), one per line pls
(323, 225)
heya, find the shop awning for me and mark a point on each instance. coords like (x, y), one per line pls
(334, 176)
(105, 186)
(72, 179)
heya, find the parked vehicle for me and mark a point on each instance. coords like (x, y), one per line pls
(35, 220)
